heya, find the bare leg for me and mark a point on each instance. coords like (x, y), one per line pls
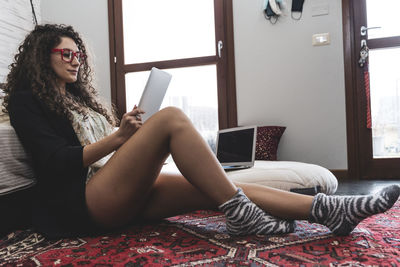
(118, 192)
(172, 195)
(282, 204)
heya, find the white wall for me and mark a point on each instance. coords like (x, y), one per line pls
(90, 19)
(283, 80)
(16, 21)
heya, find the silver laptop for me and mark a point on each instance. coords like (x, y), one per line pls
(236, 147)
(154, 92)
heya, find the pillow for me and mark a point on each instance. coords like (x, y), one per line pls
(16, 172)
(267, 142)
(292, 176)
(16, 181)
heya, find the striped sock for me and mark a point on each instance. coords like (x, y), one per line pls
(243, 217)
(341, 214)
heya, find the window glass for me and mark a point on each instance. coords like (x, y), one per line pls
(156, 30)
(193, 89)
(383, 14)
(385, 102)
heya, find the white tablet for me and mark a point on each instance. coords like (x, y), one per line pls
(154, 92)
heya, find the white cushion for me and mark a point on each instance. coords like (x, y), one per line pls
(287, 175)
(284, 175)
(16, 171)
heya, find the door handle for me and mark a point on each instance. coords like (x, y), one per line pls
(220, 46)
(364, 29)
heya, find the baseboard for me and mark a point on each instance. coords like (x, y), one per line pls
(341, 174)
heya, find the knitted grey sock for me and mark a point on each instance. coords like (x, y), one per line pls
(341, 214)
(243, 217)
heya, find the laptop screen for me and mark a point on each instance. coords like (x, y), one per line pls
(236, 145)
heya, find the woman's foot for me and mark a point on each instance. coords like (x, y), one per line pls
(243, 217)
(341, 214)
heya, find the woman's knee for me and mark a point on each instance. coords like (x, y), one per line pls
(174, 117)
(173, 112)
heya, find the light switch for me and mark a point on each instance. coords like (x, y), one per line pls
(321, 39)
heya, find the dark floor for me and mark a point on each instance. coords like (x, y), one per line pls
(363, 187)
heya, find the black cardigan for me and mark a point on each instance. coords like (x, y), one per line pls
(57, 161)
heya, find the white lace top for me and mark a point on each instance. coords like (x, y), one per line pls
(90, 130)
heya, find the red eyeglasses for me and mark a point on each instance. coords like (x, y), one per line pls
(68, 55)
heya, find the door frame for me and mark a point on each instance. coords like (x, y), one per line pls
(349, 53)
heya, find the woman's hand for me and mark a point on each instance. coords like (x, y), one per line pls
(130, 123)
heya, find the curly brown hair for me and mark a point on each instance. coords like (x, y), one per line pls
(31, 70)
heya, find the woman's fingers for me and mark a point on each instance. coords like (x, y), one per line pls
(136, 110)
(130, 123)
(135, 113)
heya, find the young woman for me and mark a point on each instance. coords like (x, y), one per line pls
(55, 112)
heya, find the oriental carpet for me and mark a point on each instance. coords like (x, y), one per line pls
(200, 238)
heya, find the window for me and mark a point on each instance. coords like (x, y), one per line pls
(180, 37)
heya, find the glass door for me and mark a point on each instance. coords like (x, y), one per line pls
(378, 87)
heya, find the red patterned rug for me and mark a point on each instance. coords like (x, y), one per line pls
(200, 239)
